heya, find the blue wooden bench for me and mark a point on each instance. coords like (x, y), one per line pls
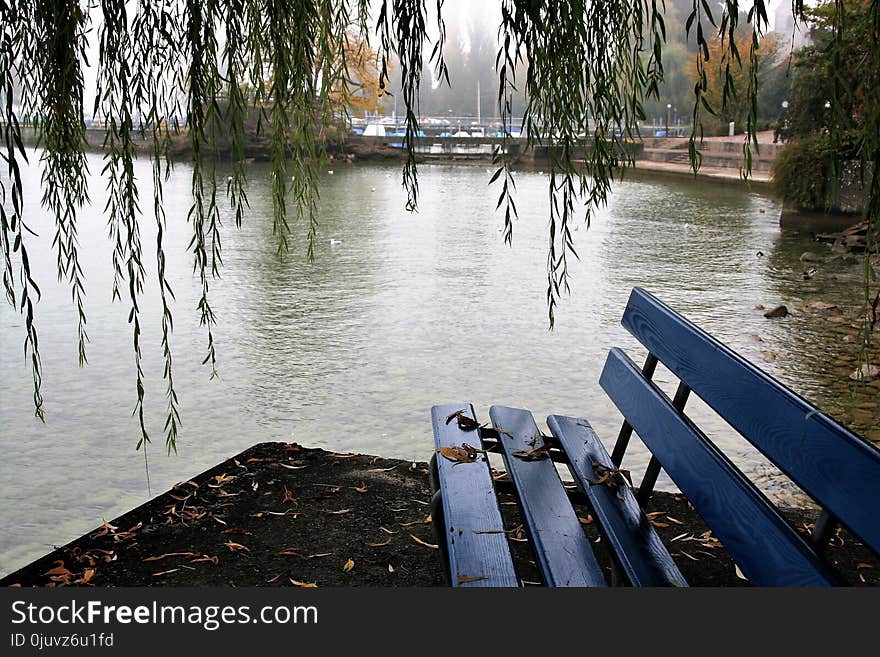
(836, 468)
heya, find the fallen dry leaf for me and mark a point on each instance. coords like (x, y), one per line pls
(362, 488)
(58, 569)
(293, 467)
(586, 521)
(862, 566)
(349, 565)
(337, 513)
(173, 554)
(457, 454)
(288, 496)
(675, 520)
(236, 546)
(532, 454)
(382, 469)
(304, 585)
(87, 575)
(390, 568)
(655, 514)
(657, 523)
(213, 560)
(464, 579)
(739, 573)
(238, 530)
(294, 552)
(388, 542)
(421, 542)
(103, 530)
(166, 572)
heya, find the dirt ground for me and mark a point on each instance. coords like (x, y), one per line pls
(284, 515)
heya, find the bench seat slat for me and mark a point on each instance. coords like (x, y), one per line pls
(830, 463)
(470, 510)
(765, 546)
(563, 551)
(642, 556)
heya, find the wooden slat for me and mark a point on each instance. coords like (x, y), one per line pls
(640, 552)
(767, 549)
(470, 510)
(831, 464)
(562, 550)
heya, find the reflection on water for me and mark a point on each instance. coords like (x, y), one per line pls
(405, 311)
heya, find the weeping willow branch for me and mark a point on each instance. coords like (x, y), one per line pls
(588, 68)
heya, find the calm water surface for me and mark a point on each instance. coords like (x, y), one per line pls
(350, 352)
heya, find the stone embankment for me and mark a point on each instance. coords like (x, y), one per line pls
(722, 158)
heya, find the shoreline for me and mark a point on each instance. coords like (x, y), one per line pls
(279, 514)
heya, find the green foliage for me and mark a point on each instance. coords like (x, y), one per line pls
(800, 173)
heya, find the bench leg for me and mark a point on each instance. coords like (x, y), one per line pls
(433, 476)
(646, 487)
(438, 523)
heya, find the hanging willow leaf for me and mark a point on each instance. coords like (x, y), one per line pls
(281, 68)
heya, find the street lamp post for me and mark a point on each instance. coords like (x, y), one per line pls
(668, 107)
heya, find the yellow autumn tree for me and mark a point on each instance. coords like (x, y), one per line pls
(728, 78)
(358, 90)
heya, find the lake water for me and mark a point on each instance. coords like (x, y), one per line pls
(350, 352)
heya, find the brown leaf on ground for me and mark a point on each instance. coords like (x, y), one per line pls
(382, 469)
(237, 547)
(337, 513)
(288, 496)
(214, 560)
(349, 565)
(586, 521)
(294, 552)
(464, 579)
(421, 542)
(87, 575)
(304, 585)
(166, 572)
(103, 530)
(388, 542)
(657, 523)
(173, 554)
(863, 566)
(238, 530)
(362, 488)
(58, 569)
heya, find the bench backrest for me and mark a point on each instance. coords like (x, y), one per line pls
(839, 470)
